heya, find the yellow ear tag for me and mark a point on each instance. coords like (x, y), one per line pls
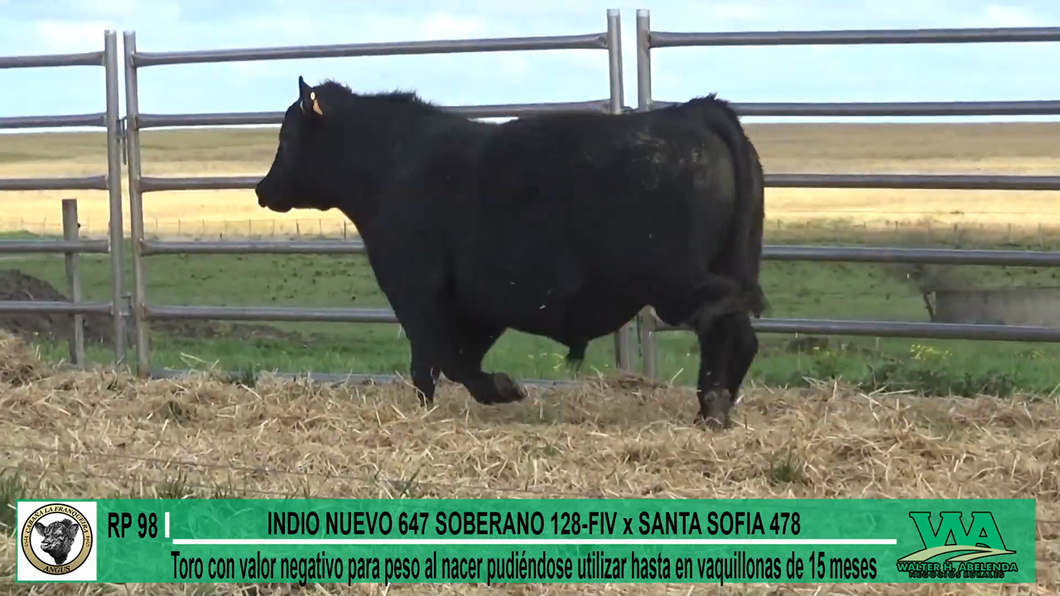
(316, 106)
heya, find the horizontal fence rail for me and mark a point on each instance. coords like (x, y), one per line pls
(667, 39)
(903, 329)
(71, 120)
(836, 254)
(593, 41)
(254, 247)
(273, 313)
(522, 110)
(891, 181)
(48, 307)
(910, 256)
(1039, 107)
(610, 40)
(70, 183)
(53, 60)
(915, 181)
(171, 183)
(98, 247)
(71, 245)
(648, 40)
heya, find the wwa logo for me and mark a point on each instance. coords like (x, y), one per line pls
(963, 547)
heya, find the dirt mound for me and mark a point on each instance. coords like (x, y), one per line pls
(224, 329)
(34, 327)
(15, 285)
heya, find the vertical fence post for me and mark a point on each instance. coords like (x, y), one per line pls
(73, 282)
(623, 343)
(645, 320)
(114, 161)
(127, 315)
(136, 207)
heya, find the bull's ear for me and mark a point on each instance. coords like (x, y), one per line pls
(308, 98)
(72, 528)
(39, 527)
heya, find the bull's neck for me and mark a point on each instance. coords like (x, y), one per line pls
(364, 191)
(361, 214)
(363, 222)
(382, 145)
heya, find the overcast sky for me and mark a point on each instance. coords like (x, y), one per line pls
(807, 73)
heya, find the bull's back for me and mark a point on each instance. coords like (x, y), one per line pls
(611, 201)
(600, 168)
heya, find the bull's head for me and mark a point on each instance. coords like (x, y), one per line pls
(58, 538)
(294, 179)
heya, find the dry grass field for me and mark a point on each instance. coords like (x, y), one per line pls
(98, 434)
(1009, 148)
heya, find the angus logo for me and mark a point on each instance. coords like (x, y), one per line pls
(953, 550)
(56, 539)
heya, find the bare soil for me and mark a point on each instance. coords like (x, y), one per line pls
(16, 285)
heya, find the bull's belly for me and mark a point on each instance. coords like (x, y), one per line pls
(579, 318)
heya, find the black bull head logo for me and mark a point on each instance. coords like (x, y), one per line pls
(58, 538)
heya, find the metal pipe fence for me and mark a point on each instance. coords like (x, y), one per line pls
(143, 312)
(647, 39)
(71, 246)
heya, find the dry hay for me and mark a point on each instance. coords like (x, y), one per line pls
(102, 434)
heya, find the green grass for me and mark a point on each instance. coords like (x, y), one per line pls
(802, 290)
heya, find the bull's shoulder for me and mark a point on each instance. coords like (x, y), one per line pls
(441, 162)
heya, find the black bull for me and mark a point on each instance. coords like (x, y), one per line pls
(58, 538)
(562, 226)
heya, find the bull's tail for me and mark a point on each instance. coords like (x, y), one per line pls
(743, 250)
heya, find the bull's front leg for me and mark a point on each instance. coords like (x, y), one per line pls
(438, 342)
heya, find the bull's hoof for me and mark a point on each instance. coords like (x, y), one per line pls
(714, 409)
(507, 389)
(497, 388)
(424, 394)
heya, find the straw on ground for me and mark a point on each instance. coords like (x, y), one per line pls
(104, 434)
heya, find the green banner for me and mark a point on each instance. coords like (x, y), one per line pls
(513, 540)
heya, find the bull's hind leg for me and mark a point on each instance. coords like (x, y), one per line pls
(715, 400)
(744, 350)
(713, 310)
(727, 350)
(424, 372)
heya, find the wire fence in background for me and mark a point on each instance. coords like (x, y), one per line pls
(837, 224)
